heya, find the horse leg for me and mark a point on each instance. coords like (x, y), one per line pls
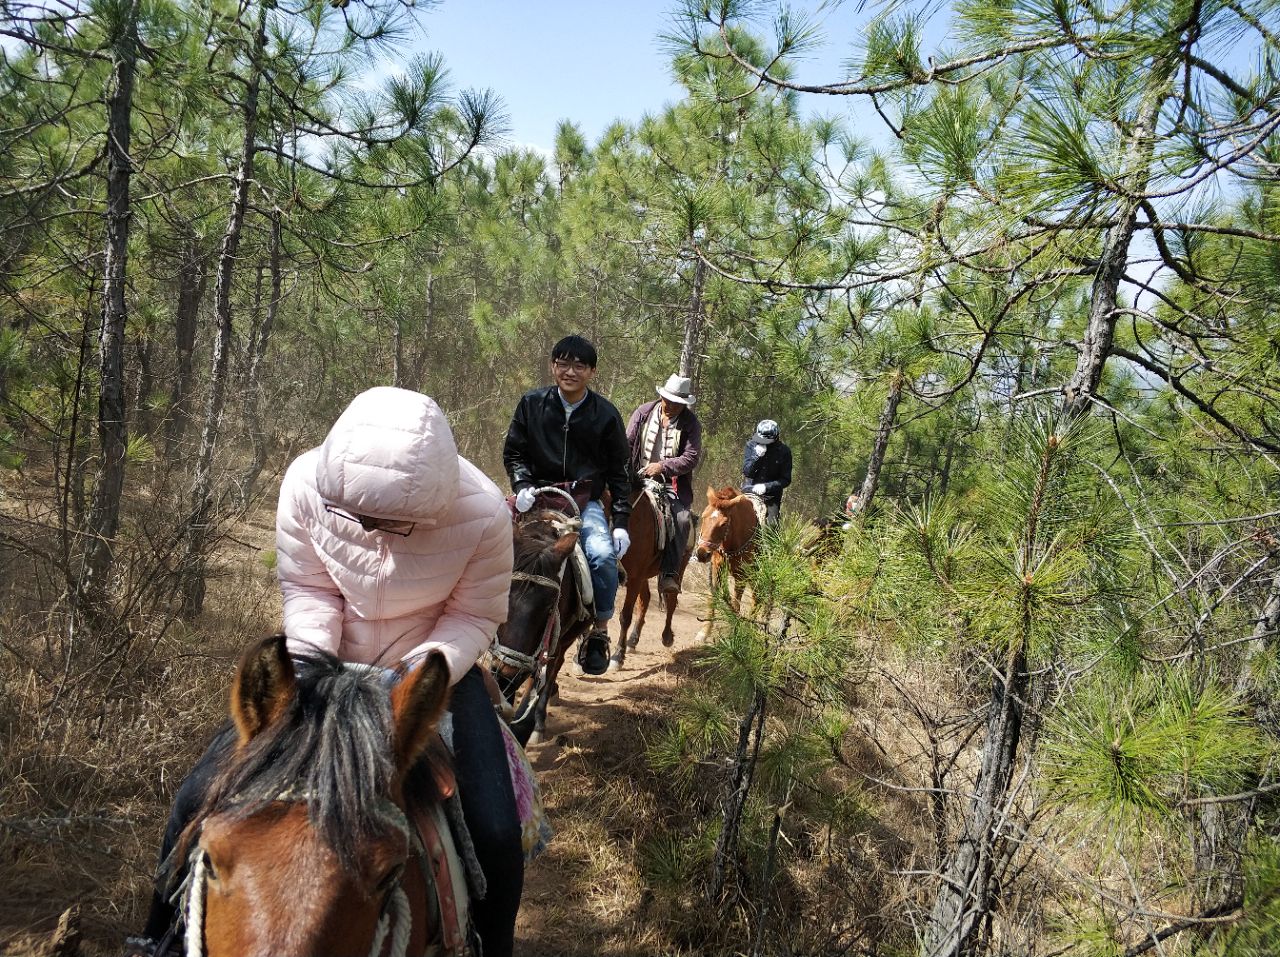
(619, 656)
(645, 597)
(668, 635)
(713, 577)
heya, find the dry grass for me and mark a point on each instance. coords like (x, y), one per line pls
(87, 775)
(91, 754)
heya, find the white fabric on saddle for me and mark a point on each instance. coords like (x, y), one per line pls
(666, 520)
(759, 505)
(582, 573)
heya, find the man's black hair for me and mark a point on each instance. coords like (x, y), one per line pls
(575, 348)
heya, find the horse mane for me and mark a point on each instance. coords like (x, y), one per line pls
(725, 495)
(331, 747)
(535, 534)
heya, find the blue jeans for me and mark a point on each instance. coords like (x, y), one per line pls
(597, 542)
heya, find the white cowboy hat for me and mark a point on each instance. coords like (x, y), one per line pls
(678, 389)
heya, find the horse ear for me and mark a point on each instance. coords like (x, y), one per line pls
(264, 686)
(711, 494)
(564, 545)
(417, 704)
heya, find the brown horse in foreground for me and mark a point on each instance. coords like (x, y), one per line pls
(727, 539)
(308, 843)
(642, 562)
(542, 618)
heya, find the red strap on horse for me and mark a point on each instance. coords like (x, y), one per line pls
(452, 934)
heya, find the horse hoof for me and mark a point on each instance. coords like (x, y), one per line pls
(632, 642)
(535, 738)
(614, 665)
(668, 639)
(576, 669)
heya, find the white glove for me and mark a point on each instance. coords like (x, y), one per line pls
(758, 488)
(621, 541)
(759, 449)
(524, 499)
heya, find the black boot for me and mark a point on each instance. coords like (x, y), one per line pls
(594, 654)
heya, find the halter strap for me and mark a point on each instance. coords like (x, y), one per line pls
(543, 580)
(718, 547)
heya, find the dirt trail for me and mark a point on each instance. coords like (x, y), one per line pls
(584, 895)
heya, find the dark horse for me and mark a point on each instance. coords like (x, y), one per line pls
(642, 562)
(542, 618)
(308, 842)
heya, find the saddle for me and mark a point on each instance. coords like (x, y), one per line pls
(762, 509)
(659, 497)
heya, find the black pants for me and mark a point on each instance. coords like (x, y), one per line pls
(488, 805)
(677, 543)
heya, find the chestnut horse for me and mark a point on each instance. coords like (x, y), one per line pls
(727, 539)
(542, 618)
(308, 842)
(642, 562)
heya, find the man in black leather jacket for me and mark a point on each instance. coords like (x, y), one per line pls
(568, 433)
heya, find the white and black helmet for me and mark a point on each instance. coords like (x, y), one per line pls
(767, 429)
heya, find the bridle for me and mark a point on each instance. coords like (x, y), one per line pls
(395, 919)
(525, 665)
(719, 546)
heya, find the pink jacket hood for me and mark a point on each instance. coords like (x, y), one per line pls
(391, 455)
(376, 596)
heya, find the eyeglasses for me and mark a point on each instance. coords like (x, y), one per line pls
(562, 366)
(370, 524)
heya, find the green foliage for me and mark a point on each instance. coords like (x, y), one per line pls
(1129, 752)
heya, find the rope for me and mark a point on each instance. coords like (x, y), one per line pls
(404, 924)
(195, 904)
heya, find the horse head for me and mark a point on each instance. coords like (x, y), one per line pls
(304, 843)
(543, 542)
(716, 532)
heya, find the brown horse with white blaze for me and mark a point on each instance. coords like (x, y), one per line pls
(308, 842)
(643, 562)
(726, 539)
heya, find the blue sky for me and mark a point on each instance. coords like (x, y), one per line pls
(590, 62)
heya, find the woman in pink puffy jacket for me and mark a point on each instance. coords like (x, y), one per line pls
(391, 545)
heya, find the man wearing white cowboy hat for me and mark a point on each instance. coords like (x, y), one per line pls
(666, 443)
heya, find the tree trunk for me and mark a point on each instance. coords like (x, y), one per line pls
(113, 431)
(888, 416)
(1099, 336)
(693, 324)
(965, 894)
(198, 530)
(253, 380)
(192, 278)
(744, 766)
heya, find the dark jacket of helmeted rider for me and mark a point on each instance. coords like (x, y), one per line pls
(766, 465)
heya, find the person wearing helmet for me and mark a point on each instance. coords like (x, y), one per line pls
(766, 467)
(390, 546)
